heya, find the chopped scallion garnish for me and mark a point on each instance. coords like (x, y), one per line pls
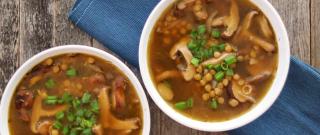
(49, 83)
(219, 76)
(230, 59)
(201, 29)
(195, 61)
(214, 104)
(71, 72)
(224, 66)
(86, 98)
(215, 33)
(229, 72)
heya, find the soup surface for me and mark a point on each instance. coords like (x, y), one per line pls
(75, 94)
(212, 60)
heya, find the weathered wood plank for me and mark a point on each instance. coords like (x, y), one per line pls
(315, 33)
(295, 14)
(64, 32)
(9, 41)
(35, 27)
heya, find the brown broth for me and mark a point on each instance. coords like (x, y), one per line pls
(79, 62)
(159, 61)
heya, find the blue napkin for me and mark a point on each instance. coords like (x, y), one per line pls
(118, 24)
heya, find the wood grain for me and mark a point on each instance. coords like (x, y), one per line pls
(64, 32)
(9, 40)
(295, 14)
(35, 27)
(315, 33)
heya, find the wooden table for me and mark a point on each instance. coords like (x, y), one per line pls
(30, 26)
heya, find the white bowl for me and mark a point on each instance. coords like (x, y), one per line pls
(255, 112)
(28, 65)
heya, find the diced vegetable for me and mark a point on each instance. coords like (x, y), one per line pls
(229, 72)
(65, 130)
(213, 104)
(49, 83)
(201, 29)
(215, 33)
(181, 105)
(217, 67)
(51, 100)
(192, 45)
(60, 115)
(76, 103)
(66, 97)
(86, 131)
(70, 117)
(184, 104)
(224, 66)
(230, 59)
(209, 66)
(219, 76)
(221, 47)
(71, 72)
(190, 103)
(94, 106)
(195, 61)
(57, 125)
(80, 113)
(86, 98)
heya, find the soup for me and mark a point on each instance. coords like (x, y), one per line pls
(75, 94)
(212, 60)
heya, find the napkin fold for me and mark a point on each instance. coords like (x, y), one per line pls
(118, 24)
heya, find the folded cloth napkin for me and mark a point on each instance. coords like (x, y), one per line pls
(118, 24)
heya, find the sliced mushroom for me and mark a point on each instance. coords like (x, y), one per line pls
(264, 25)
(44, 127)
(181, 48)
(215, 61)
(244, 33)
(118, 92)
(38, 111)
(183, 4)
(165, 91)
(210, 19)
(167, 74)
(259, 77)
(23, 103)
(199, 10)
(235, 91)
(231, 21)
(108, 120)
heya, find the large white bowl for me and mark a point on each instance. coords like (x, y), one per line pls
(254, 113)
(28, 65)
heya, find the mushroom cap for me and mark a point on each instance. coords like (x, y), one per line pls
(107, 119)
(244, 32)
(235, 91)
(231, 22)
(181, 47)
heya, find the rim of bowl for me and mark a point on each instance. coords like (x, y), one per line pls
(34, 60)
(249, 116)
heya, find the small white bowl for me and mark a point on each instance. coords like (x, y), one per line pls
(28, 65)
(255, 112)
